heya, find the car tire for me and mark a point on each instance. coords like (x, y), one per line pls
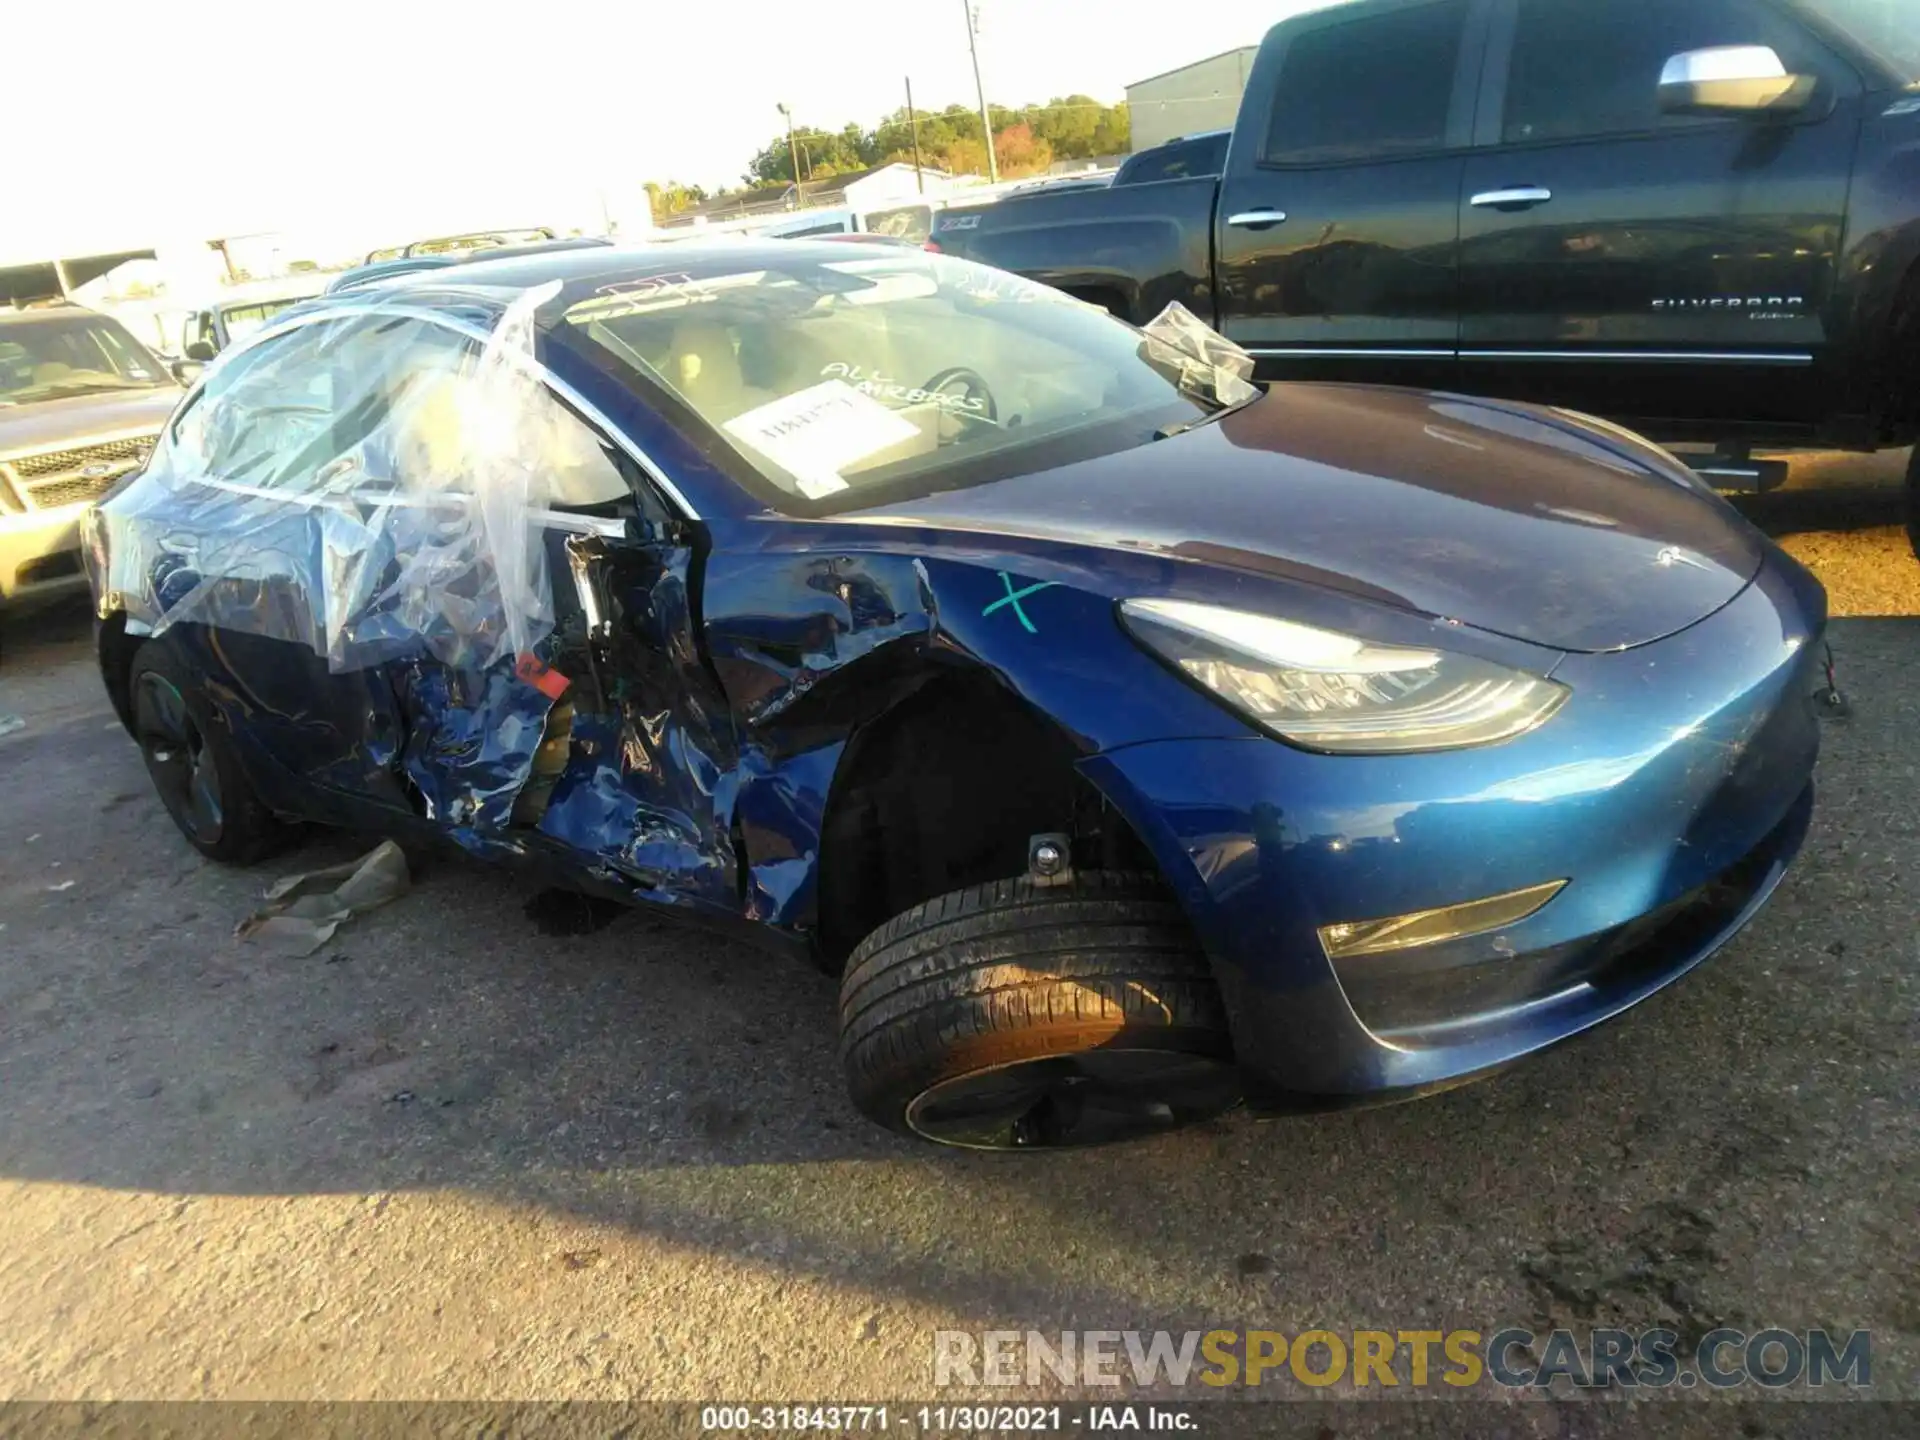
(190, 759)
(1014, 1015)
(1913, 502)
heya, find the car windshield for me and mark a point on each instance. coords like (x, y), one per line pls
(1888, 29)
(53, 356)
(845, 380)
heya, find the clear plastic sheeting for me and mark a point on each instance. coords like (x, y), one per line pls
(300, 913)
(1203, 358)
(367, 485)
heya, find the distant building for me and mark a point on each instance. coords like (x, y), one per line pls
(1202, 96)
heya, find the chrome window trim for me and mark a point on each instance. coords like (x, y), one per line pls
(1648, 356)
(1341, 352)
(428, 315)
(1653, 357)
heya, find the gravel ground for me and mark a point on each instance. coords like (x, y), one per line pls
(452, 1156)
(1839, 515)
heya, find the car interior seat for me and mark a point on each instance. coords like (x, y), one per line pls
(704, 366)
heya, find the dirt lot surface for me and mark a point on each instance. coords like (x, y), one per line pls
(454, 1156)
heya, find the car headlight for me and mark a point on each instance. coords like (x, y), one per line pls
(1322, 690)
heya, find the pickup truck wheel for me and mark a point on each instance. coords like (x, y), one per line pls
(1017, 1016)
(1913, 502)
(192, 764)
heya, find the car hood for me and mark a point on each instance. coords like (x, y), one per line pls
(1525, 522)
(74, 419)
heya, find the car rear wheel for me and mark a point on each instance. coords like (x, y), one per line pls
(192, 764)
(1018, 1016)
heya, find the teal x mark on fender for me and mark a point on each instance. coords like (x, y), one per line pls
(1013, 597)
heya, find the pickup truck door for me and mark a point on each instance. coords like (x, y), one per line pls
(1669, 270)
(1337, 226)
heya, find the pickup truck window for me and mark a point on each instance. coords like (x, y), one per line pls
(907, 222)
(1580, 71)
(1373, 86)
(1176, 160)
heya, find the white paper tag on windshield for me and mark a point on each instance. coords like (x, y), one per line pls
(817, 432)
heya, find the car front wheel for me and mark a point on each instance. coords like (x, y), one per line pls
(192, 764)
(1020, 1016)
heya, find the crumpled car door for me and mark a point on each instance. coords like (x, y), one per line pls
(611, 748)
(648, 787)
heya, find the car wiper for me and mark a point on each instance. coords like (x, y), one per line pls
(1167, 432)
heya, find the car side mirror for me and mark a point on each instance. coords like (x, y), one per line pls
(187, 371)
(1733, 80)
(200, 350)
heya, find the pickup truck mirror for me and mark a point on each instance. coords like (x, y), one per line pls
(200, 350)
(1733, 80)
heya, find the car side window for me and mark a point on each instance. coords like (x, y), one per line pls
(442, 408)
(255, 415)
(1179, 160)
(583, 470)
(1581, 70)
(375, 405)
(908, 222)
(1376, 86)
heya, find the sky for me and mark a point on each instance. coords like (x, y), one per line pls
(341, 118)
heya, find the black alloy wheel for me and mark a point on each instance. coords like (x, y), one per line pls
(191, 761)
(1025, 1016)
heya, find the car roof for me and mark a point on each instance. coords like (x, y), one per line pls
(379, 270)
(536, 247)
(605, 265)
(61, 311)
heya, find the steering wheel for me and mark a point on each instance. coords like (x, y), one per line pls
(964, 383)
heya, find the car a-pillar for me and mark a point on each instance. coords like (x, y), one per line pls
(1015, 973)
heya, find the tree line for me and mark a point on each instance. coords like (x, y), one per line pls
(1026, 141)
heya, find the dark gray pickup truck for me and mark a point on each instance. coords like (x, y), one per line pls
(1700, 218)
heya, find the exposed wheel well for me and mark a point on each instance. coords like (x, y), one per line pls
(1900, 373)
(944, 792)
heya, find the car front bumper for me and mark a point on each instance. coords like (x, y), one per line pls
(40, 554)
(1670, 794)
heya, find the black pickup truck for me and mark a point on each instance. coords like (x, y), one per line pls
(1700, 218)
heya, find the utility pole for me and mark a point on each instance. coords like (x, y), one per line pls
(793, 151)
(913, 125)
(986, 120)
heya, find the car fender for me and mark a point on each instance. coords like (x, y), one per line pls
(813, 642)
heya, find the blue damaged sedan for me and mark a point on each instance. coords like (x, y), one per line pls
(1129, 741)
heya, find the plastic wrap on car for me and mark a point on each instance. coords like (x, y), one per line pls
(1200, 356)
(394, 527)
